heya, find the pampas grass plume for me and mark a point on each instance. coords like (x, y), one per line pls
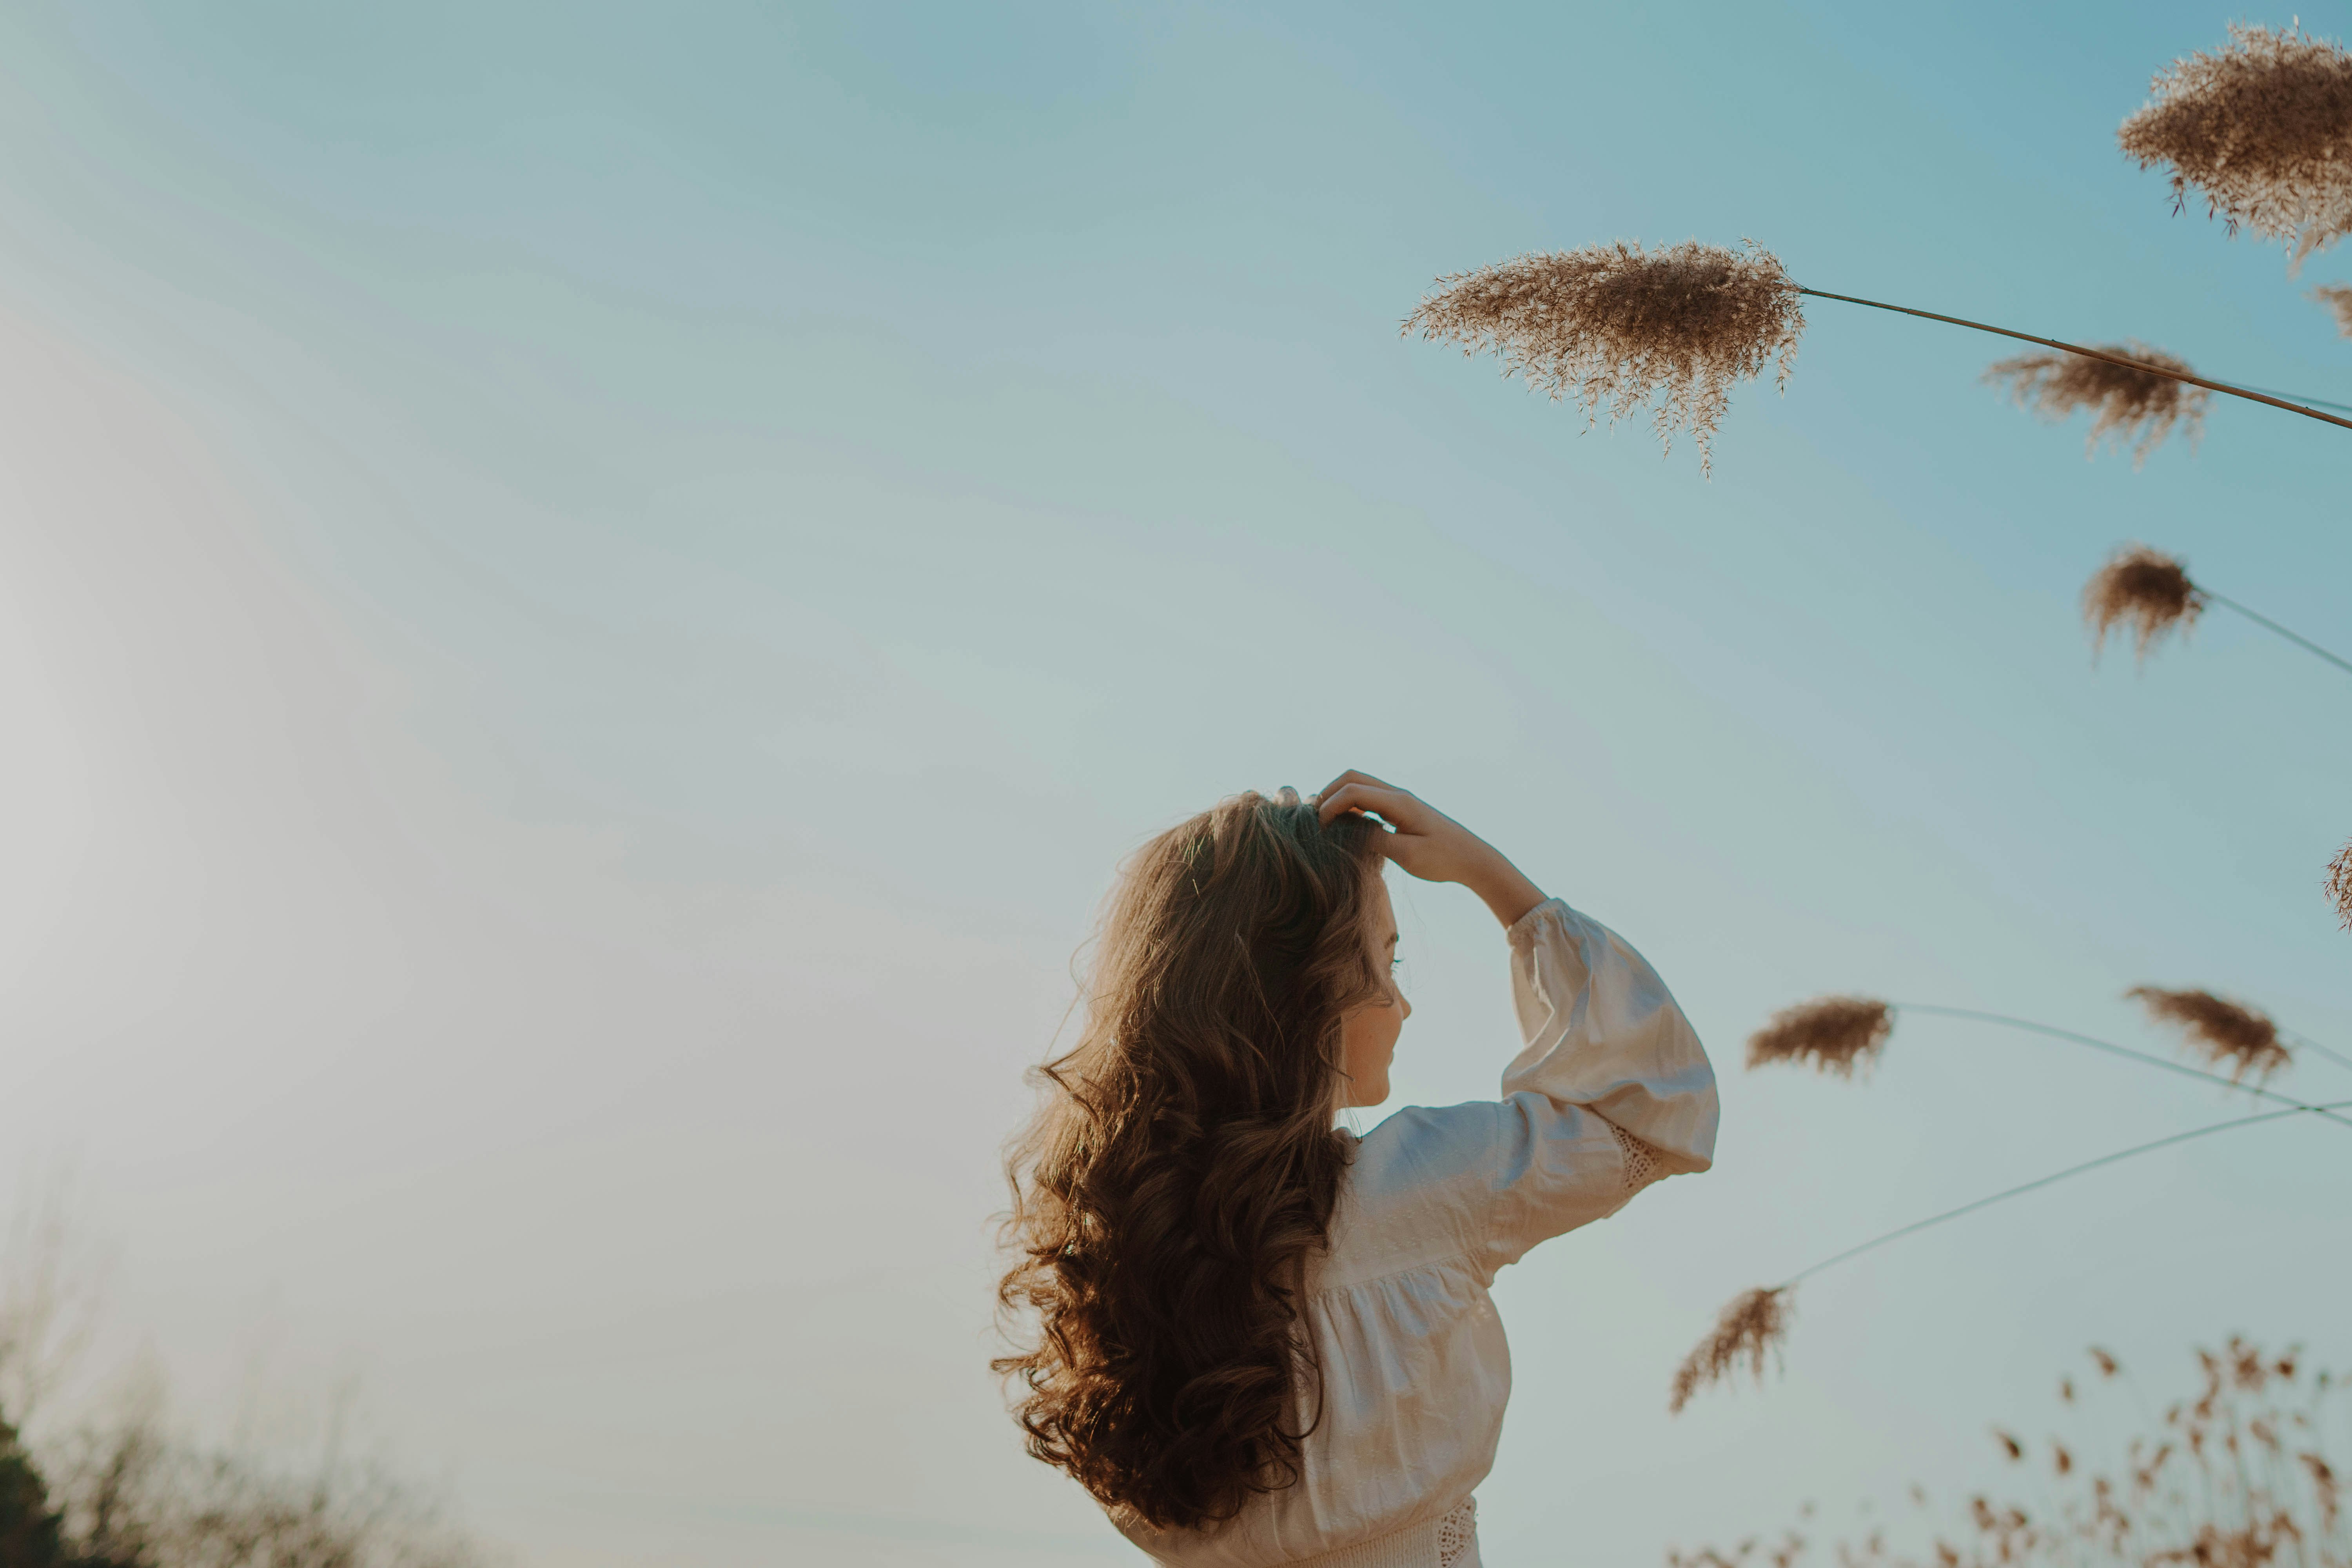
(2147, 589)
(1833, 1034)
(2263, 129)
(1613, 326)
(2337, 298)
(2131, 407)
(1753, 1326)
(2339, 885)
(2226, 1034)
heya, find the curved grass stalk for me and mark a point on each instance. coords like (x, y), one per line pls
(2295, 397)
(2296, 638)
(1755, 1325)
(2150, 1147)
(2124, 361)
(2111, 1048)
(1617, 327)
(2330, 1052)
(1839, 1035)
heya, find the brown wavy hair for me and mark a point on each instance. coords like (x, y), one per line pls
(1182, 1168)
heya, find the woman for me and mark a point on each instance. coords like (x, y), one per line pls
(1262, 1341)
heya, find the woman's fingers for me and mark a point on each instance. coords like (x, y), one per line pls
(1394, 805)
(1426, 843)
(1337, 798)
(1417, 840)
(1355, 777)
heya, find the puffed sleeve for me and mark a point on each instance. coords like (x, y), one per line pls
(1611, 1091)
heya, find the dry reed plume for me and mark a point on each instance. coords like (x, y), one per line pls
(1833, 1034)
(2337, 298)
(2339, 885)
(2234, 1476)
(1838, 1034)
(2134, 408)
(2263, 129)
(2153, 591)
(2225, 1033)
(1751, 1327)
(1613, 326)
(2147, 589)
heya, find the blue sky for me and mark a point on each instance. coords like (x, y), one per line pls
(595, 595)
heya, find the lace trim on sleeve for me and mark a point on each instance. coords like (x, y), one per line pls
(1457, 1534)
(1641, 1161)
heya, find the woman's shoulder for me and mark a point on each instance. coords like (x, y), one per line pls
(1418, 1191)
(1422, 1146)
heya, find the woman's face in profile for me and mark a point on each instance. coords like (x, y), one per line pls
(1368, 1031)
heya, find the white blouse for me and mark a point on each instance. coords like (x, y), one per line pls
(1611, 1093)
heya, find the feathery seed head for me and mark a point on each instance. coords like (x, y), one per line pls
(2132, 407)
(2325, 1484)
(2263, 128)
(1833, 1034)
(1613, 326)
(2145, 587)
(2225, 1033)
(1753, 1325)
(2339, 885)
(2337, 298)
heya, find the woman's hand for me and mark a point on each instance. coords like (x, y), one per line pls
(1431, 844)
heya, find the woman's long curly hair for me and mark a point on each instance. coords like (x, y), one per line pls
(1181, 1172)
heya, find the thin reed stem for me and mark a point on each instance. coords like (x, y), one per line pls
(2126, 1051)
(2293, 396)
(2019, 1190)
(2128, 363)
(2302, 642)
(2333, 1054)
